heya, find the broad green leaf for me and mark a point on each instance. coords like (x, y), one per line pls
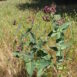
(55, 26)
(40, 72)
(63, 47)
(41, 65)
(40, 43)
(27, 57)
(58, 35)
(60, 40)
(64, 26)
(47, 57)
(30, 67)
(58, 53)
(53, 34)
(32, 38)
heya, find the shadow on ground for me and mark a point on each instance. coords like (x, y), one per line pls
(2, 0)
(34, 4)
(62, 5)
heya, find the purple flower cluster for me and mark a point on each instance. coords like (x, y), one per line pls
(50, 9)
(47, 9)
(60, 21)
(46, 18)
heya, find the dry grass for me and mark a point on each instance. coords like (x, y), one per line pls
(8, 64)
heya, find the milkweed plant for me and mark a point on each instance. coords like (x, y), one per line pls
(31, 50)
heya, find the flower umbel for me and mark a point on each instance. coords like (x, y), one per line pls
(60, 21)
(50, 9)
